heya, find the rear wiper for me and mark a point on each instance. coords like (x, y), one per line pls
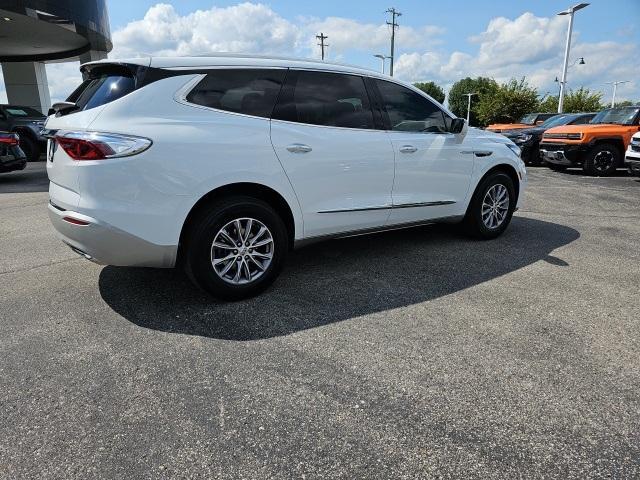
(61, 107)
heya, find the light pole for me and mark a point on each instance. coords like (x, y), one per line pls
(571, 11)
(615, 87)
(469, 95)
(382, 59)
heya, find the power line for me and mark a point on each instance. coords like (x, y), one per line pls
(394, 13)
(322, 37)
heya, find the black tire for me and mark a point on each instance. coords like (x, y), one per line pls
(473, 223)
(534, 159)
(30, 148)
(556, 168)
(602, 160)
(198, 248)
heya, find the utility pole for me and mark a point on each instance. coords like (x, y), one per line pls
(322, 37)
(394, 13)
(469, 95)
(563, 83)
(615, 87)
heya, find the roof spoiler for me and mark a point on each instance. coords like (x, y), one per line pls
(60, 107)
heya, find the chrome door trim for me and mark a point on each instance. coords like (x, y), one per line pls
(391, 207)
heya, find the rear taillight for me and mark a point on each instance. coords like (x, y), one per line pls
(100, 146)
(10, 139)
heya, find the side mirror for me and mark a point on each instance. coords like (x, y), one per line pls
(457, 124)
(539, 122)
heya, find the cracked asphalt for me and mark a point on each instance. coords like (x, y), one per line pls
(411, 354)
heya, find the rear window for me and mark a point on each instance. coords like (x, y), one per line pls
(247, 91)
(102, 89)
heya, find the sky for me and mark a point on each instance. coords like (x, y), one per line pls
(436, 41)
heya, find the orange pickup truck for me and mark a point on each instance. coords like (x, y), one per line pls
(528, 121)
(597, 146)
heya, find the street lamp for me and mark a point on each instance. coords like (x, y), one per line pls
(382, 58)
(615, 87)
(469, 95)
(579, 61)
(571, 11)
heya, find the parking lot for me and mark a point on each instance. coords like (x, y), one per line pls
(410, 354)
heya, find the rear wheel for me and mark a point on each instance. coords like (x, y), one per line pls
(236, 249)
(491, 207)
(30, 148)
(602, 160)
(557, 168)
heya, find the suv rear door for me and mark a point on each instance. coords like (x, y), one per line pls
(340, 165)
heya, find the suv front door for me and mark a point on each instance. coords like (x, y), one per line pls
(432, 173)
(341, 167)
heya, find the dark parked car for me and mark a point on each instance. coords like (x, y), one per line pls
(528, 139)
(27, 122)
(11, 155)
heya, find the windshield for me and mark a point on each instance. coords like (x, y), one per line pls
(22, 112)
(529, 119)
(619, 116)
(555, 121)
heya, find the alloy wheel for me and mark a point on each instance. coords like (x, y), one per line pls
(242, 251)
(603, 160)
(495, 206)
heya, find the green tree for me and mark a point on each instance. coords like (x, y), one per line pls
(509, 103)
(581, 100)
(626, 103)
(430, 88)
(482, 86)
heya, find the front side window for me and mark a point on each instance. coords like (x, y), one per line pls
(328, 99)
(247, 91)
(409, 111)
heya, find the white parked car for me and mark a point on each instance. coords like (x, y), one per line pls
(222, 164)
(632, 156)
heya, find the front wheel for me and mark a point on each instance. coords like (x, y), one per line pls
(491, 207)
(602, 160)
(236, 248)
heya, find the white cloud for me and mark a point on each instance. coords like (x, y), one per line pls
(525, 46)
(528, 46)
(246, 27)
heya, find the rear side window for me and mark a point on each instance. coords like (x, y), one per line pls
(102, 89)
(329, 99)
(248, 91)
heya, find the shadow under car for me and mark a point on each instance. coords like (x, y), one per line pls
(333, 281)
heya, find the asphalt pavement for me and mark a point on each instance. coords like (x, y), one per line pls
(412, 354)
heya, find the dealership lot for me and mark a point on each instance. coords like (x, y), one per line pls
(410, 354)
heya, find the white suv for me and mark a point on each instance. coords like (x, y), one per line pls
(222, 164)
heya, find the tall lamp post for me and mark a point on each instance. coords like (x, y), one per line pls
(469, 95)
(570, 11)
(615, 87)
(382, 59)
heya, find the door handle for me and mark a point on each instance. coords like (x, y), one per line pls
(477, 153)
(408, 149)
(299, 148)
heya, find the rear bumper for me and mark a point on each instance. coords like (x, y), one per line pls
(633, 164)
(107, 245)
(562, 153)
